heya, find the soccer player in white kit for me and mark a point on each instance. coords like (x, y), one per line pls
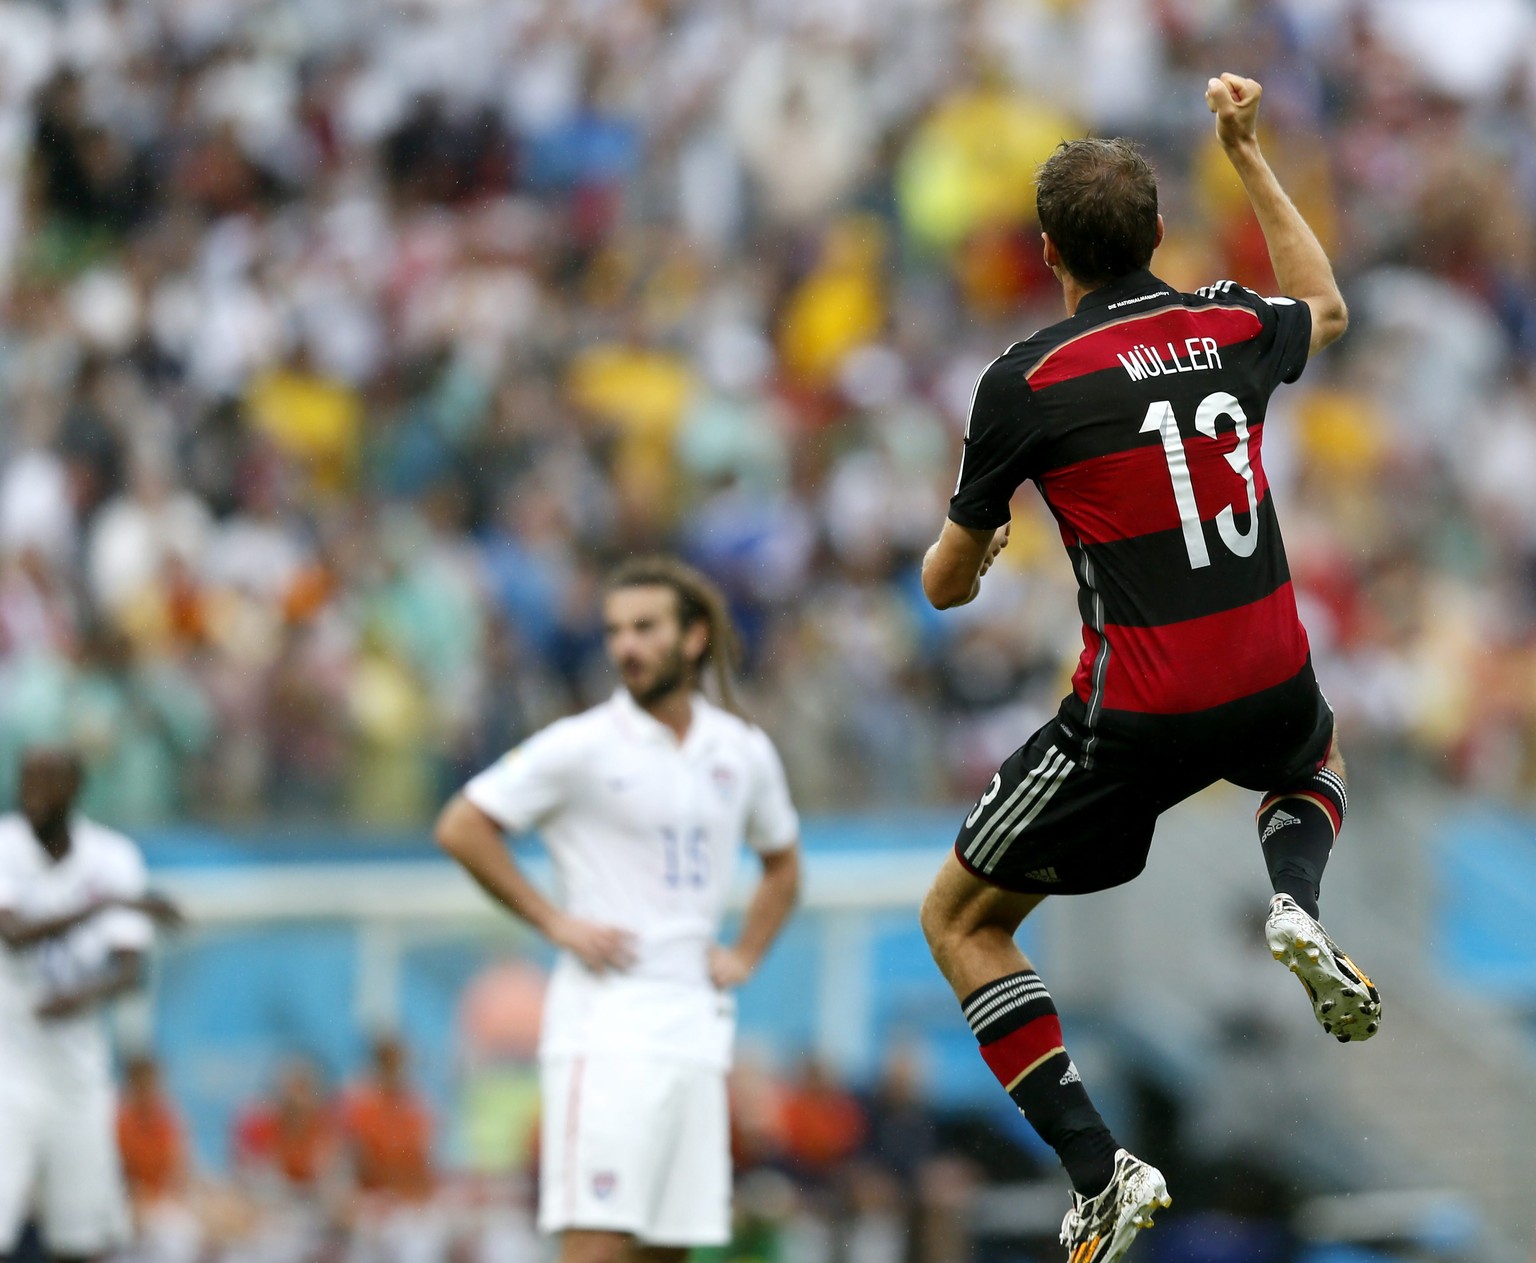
(75, 923)
(643, 803)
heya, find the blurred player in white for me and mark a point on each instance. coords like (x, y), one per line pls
(643, 803)
(75, 923)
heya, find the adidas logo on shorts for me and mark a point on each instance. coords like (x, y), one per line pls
(1071, 1075)
(1277, 822)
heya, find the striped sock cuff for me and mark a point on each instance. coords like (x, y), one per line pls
(1328, 779)
(1325, 788)
(1006, 1005)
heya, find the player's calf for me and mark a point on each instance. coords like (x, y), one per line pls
(970, 926)
(1015, 1022)
(1298, 826)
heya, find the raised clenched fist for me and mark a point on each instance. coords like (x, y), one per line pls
(1235, 103)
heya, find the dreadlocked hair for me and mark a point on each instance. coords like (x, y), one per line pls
(698, 601)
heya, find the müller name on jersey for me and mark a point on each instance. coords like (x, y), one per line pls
(1144, 361)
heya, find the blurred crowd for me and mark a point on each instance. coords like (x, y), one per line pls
(357, 1175)
(825, 1173)
(345, 344)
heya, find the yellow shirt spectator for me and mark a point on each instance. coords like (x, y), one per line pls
(642, 392)
(838, 307)
(313, 418)
(972, 163)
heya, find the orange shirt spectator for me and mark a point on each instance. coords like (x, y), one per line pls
(294, 1134)
(390, 1129)
(391, 1137)
(822, 1123)
(149, 1135)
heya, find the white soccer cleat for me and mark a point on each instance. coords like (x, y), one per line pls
(1100, 1229)
(1346, 1001)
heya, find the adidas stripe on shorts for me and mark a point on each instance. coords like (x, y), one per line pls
(1073, 809)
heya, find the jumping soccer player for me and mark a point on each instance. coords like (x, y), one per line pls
(75, 924)
(643, 803)
(1140, 419)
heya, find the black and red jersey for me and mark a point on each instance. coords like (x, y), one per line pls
(1141, 420)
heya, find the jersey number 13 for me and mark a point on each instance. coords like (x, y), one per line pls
(1212, 408)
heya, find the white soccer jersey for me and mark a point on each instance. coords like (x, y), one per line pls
(100, 863)
(645, 833)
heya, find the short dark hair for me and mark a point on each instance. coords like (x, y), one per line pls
(1097, 200)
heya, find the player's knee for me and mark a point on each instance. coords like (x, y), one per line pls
(959, 907)
(1335, 761)
(950, 921)
(937, 917)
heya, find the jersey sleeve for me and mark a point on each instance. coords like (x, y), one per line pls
(996, 457)
(526, 785)
(1293, 336)
(772, 822)
(1287, 329)
(125, 929)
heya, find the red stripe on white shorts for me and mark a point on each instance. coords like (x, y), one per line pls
(572, 1130)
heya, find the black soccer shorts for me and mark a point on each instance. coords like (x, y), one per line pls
(1068, 816)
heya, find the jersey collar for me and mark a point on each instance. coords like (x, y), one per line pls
(1126, 290)
(636, 720)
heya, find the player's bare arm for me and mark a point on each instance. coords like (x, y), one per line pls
(163, 911)
(475, 841)
(18, 932)
(772, 902)
(954, 565)
(1300, 262)
(124, 972)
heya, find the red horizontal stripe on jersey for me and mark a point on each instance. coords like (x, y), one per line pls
(1103, 346)
(1123, 495)
(1020, 1050)
(1200, 663)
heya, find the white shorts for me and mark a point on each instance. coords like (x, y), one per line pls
(639, 1145)
(59, 1159)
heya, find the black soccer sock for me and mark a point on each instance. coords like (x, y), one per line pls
(1297, 829)
(1016, 1025)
